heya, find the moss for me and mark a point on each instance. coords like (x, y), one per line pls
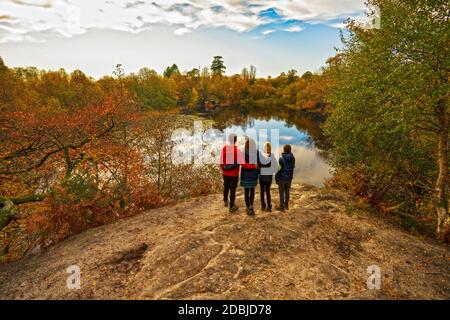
(8, 212)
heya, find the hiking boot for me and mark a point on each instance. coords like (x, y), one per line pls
(233, 209)
(225, 202)
(286, 206)
(269, 209)
(263, 208)
(280, 208)
(250, 211)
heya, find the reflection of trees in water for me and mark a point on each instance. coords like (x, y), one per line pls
(244, 117)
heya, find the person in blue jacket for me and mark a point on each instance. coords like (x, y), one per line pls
(284, 176)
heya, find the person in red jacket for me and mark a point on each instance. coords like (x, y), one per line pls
(231, 159)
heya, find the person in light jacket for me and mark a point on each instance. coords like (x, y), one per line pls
(268, 167)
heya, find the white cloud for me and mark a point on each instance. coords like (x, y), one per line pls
(307, 10)
(181, 31)
(337, 25)
(287, 138)
(22, 19)
(266, 32)
(294, 29)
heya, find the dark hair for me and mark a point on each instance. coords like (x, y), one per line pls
(232, 138)
(287, 148)
(250, 145)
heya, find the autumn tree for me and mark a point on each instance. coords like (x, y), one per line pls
(390, 96)
(57, 153)
(72, 149)
(310, 92)
(153, 91)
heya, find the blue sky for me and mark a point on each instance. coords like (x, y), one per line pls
(94, 36)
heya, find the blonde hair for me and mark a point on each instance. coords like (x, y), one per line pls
(267, 147)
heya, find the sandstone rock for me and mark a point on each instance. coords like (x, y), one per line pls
(196, 250)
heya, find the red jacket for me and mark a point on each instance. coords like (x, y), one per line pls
(232, 155)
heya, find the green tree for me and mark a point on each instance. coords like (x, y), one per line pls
(245, 74)
(194, 73)
(390, 96)
(292, 76)
(217, 66)
(3, 67)
(154, 92)
(252, 74)
(307, 75)
(172, 70)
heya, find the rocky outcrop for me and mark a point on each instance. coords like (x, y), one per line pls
(195, 249)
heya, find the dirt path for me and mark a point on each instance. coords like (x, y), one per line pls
(196, 249)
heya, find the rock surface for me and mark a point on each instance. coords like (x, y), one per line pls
(195, 249)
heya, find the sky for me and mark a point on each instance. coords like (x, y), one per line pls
(95, 35)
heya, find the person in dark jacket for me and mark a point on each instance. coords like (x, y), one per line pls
(284, 176)
(231, 159)
(249, 175)
(268, 167)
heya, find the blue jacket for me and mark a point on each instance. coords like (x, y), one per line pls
(287, 163)
(250, 175)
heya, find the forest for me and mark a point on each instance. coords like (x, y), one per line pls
(78, 152)
(75, 150)
(389, 122)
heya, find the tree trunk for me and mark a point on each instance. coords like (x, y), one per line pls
(28, 198)
(441, 188)
(8, 212)
(69, 163)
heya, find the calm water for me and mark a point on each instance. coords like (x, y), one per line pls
(299, 130)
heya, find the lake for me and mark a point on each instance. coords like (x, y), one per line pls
(298, 129)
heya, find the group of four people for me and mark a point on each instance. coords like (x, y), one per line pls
(254, 165)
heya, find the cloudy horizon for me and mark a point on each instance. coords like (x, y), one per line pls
(275, 36)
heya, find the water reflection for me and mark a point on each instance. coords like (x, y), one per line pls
(300, 130)
(311, 168)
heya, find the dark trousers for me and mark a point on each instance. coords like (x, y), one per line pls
(249, 194)
(284, 187)
(265, 193)
(229, 186)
